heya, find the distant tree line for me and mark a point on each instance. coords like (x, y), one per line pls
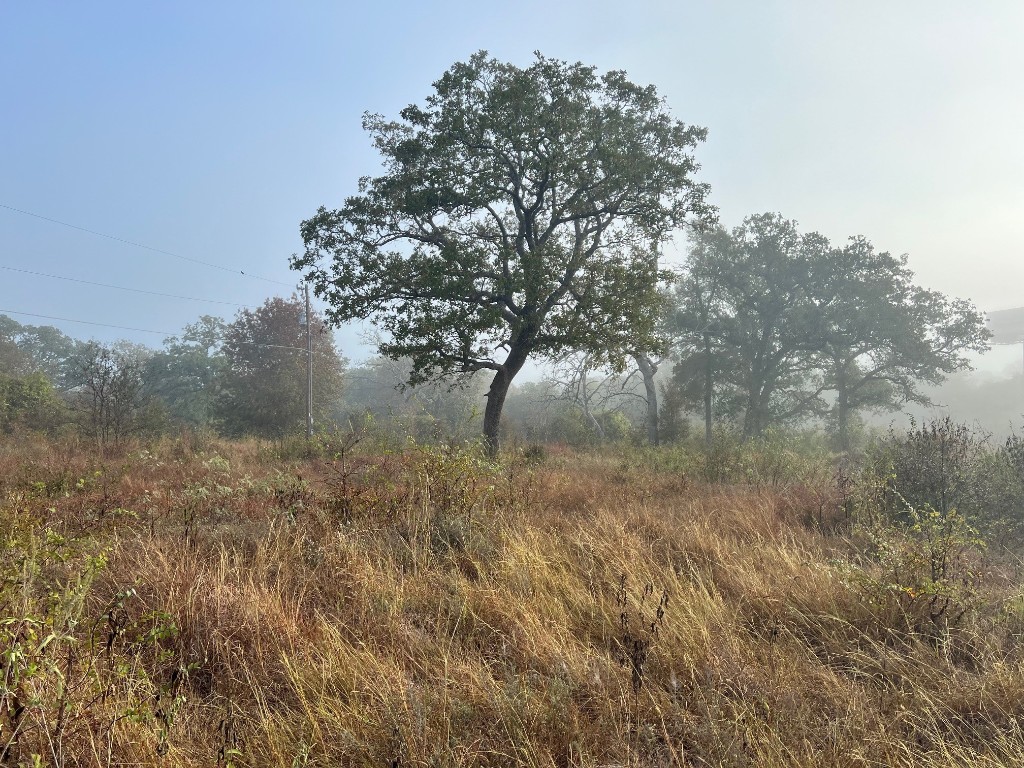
(771, 327)
(520, 219)
(521, 216)
(247, 376)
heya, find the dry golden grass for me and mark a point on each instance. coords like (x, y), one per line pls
(426, 609)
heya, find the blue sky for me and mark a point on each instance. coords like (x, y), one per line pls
(211, 130)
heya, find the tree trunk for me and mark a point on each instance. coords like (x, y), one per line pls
(749, 425)
(492, 412)
(584, 401)
(753, 417)
(759, 395)
(843, 412)
(496, 398)
(594, 423)
(647, 369)
(708, 392)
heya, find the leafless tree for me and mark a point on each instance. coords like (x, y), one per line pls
(594, 389)
(110, 397)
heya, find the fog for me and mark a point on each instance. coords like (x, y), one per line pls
(172, 136)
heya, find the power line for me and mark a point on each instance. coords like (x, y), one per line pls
(84, 322)
(141, 245)
(121, 287)
(140, 330)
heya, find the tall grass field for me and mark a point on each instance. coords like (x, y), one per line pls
(196, 602)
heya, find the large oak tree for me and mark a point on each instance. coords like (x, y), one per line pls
(519, 216)
(746, 314)
(881, 336)
(783, 325)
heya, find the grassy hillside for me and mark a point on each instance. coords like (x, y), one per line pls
(199, 604)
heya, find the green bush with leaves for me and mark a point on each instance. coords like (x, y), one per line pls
(29, 402)
(927, 570)
(947, 467)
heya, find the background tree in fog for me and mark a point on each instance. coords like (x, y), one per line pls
(520, 215)
(746, 312)
(610, 404)
(881, 336)
(28, 398)
(186, 374)
(572, 381)
(781, 325)
(29, 402)
(696, 320)
(44, 349)
(263, 385)
(110, 396)
(14, 361)
(377, 388)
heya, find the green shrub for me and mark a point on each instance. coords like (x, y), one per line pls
(29, 402)
(927, 570)
(947, 467)
(932, 465)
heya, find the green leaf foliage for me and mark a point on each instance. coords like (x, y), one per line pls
(519, 216)
(264, 384)
(29, 402)
(786, 326)
(186, 373)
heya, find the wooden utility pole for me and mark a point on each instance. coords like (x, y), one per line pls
(309, 366)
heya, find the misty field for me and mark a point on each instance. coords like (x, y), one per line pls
(200, 602)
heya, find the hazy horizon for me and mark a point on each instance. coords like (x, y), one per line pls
(211, 131)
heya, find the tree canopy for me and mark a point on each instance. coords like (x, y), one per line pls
(111, 398)
(881, 336)
(745, 310)
(186, 374)
(42, 348)
(783, 325)
(519, 215)
(263, 385)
